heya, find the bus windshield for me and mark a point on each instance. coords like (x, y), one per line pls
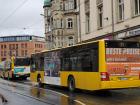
(22, 62)
(121, 51)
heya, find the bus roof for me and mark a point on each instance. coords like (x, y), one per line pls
(78, 45)
(69, 46)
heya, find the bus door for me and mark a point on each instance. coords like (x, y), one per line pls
(51, 68)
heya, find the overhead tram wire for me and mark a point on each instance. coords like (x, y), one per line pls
(12, 13)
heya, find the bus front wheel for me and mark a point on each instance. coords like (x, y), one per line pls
(71, 84)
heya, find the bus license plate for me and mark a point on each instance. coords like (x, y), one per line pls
(123, 78)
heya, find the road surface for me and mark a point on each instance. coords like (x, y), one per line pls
(19, 94)
(60, 96)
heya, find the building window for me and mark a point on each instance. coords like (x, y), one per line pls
(136, 7)
(48, 12)
(120, 7)
(55, 24)
(22, 53)
(1, 46)
(1, 53)
(5, 53)
(69, 23)
(87, 22)
(100, 13)
(22, 45)
(25, 45)
(10, 46)
(5, 46)
(25, 53)
(70, 4)
(87, 6)
(87, 14)
(61, 6)
(17, 53)
(13, 46)
(16, 46)
(58, 23)
(10, 53)
(62, 24)
(70, 41)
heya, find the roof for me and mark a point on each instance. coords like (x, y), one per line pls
(47, 3)
(20, 36)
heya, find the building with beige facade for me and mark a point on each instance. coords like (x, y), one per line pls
(109, 19)
(61, 18)
(68, 22)
(20, 46)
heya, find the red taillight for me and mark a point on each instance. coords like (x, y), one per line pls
(104, 76)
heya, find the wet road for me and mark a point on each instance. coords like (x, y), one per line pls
(63, 97)
(19, 94)
(112, 97)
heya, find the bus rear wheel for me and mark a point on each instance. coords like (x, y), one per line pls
(71, 84)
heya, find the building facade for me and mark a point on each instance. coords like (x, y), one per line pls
(68, 22)
(61, 18)
(109, 19)
(20, 46)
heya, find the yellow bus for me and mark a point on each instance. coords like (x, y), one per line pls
(16, 67)
(98, 65)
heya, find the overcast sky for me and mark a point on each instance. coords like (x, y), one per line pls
(21, 17)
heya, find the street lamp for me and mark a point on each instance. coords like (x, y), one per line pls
(43, 15)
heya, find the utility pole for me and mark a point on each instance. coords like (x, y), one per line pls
(80, 37)
(112, 8)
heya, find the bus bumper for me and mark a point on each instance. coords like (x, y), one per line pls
(22, 75)
(120, 84)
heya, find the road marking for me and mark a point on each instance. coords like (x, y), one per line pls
(79, 102)
(56, 92)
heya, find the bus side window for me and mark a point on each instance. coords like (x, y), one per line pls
(67, 64)
(86, 62)
(41, 63)
(94, 57)
(79, 64)
(73, 63)
(33, 67)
